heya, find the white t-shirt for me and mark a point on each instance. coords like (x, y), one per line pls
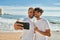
(42, 24)
(28, 34)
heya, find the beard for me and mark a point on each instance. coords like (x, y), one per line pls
(37, 16)
(31, 16)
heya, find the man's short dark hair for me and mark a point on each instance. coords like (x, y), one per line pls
(30, 8)
(38, 10)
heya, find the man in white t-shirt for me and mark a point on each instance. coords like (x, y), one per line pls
(42, 30)
(27, 34)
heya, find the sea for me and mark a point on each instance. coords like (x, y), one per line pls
(7, 22)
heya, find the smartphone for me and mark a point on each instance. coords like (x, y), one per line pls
(25, 24)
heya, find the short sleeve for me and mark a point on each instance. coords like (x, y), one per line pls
(46, 24)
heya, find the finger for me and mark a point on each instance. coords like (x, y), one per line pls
(20, 28)
(19, 24)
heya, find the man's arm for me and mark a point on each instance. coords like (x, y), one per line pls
(46, 33)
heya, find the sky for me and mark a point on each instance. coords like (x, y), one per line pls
(20, 7)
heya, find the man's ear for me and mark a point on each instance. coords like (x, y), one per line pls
(40, 13)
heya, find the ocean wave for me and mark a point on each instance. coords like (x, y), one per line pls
(9, 20)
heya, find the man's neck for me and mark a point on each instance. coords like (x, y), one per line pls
(38, 18)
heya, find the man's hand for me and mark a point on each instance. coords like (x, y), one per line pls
(18, 26)
(35, 29)
(46, 33)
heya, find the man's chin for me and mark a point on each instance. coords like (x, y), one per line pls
(31, 17)
(36, 17)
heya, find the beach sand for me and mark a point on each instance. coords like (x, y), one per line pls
(17, 35)
(55, 35)
(10, 35)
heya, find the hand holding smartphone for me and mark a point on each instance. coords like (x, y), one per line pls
(18, 26)
(25, 25)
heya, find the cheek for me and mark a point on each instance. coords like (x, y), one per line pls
(35, 14)
(31, 14)
(39, 14)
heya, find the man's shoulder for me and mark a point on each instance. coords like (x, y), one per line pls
(25, 18)
(44, 19)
